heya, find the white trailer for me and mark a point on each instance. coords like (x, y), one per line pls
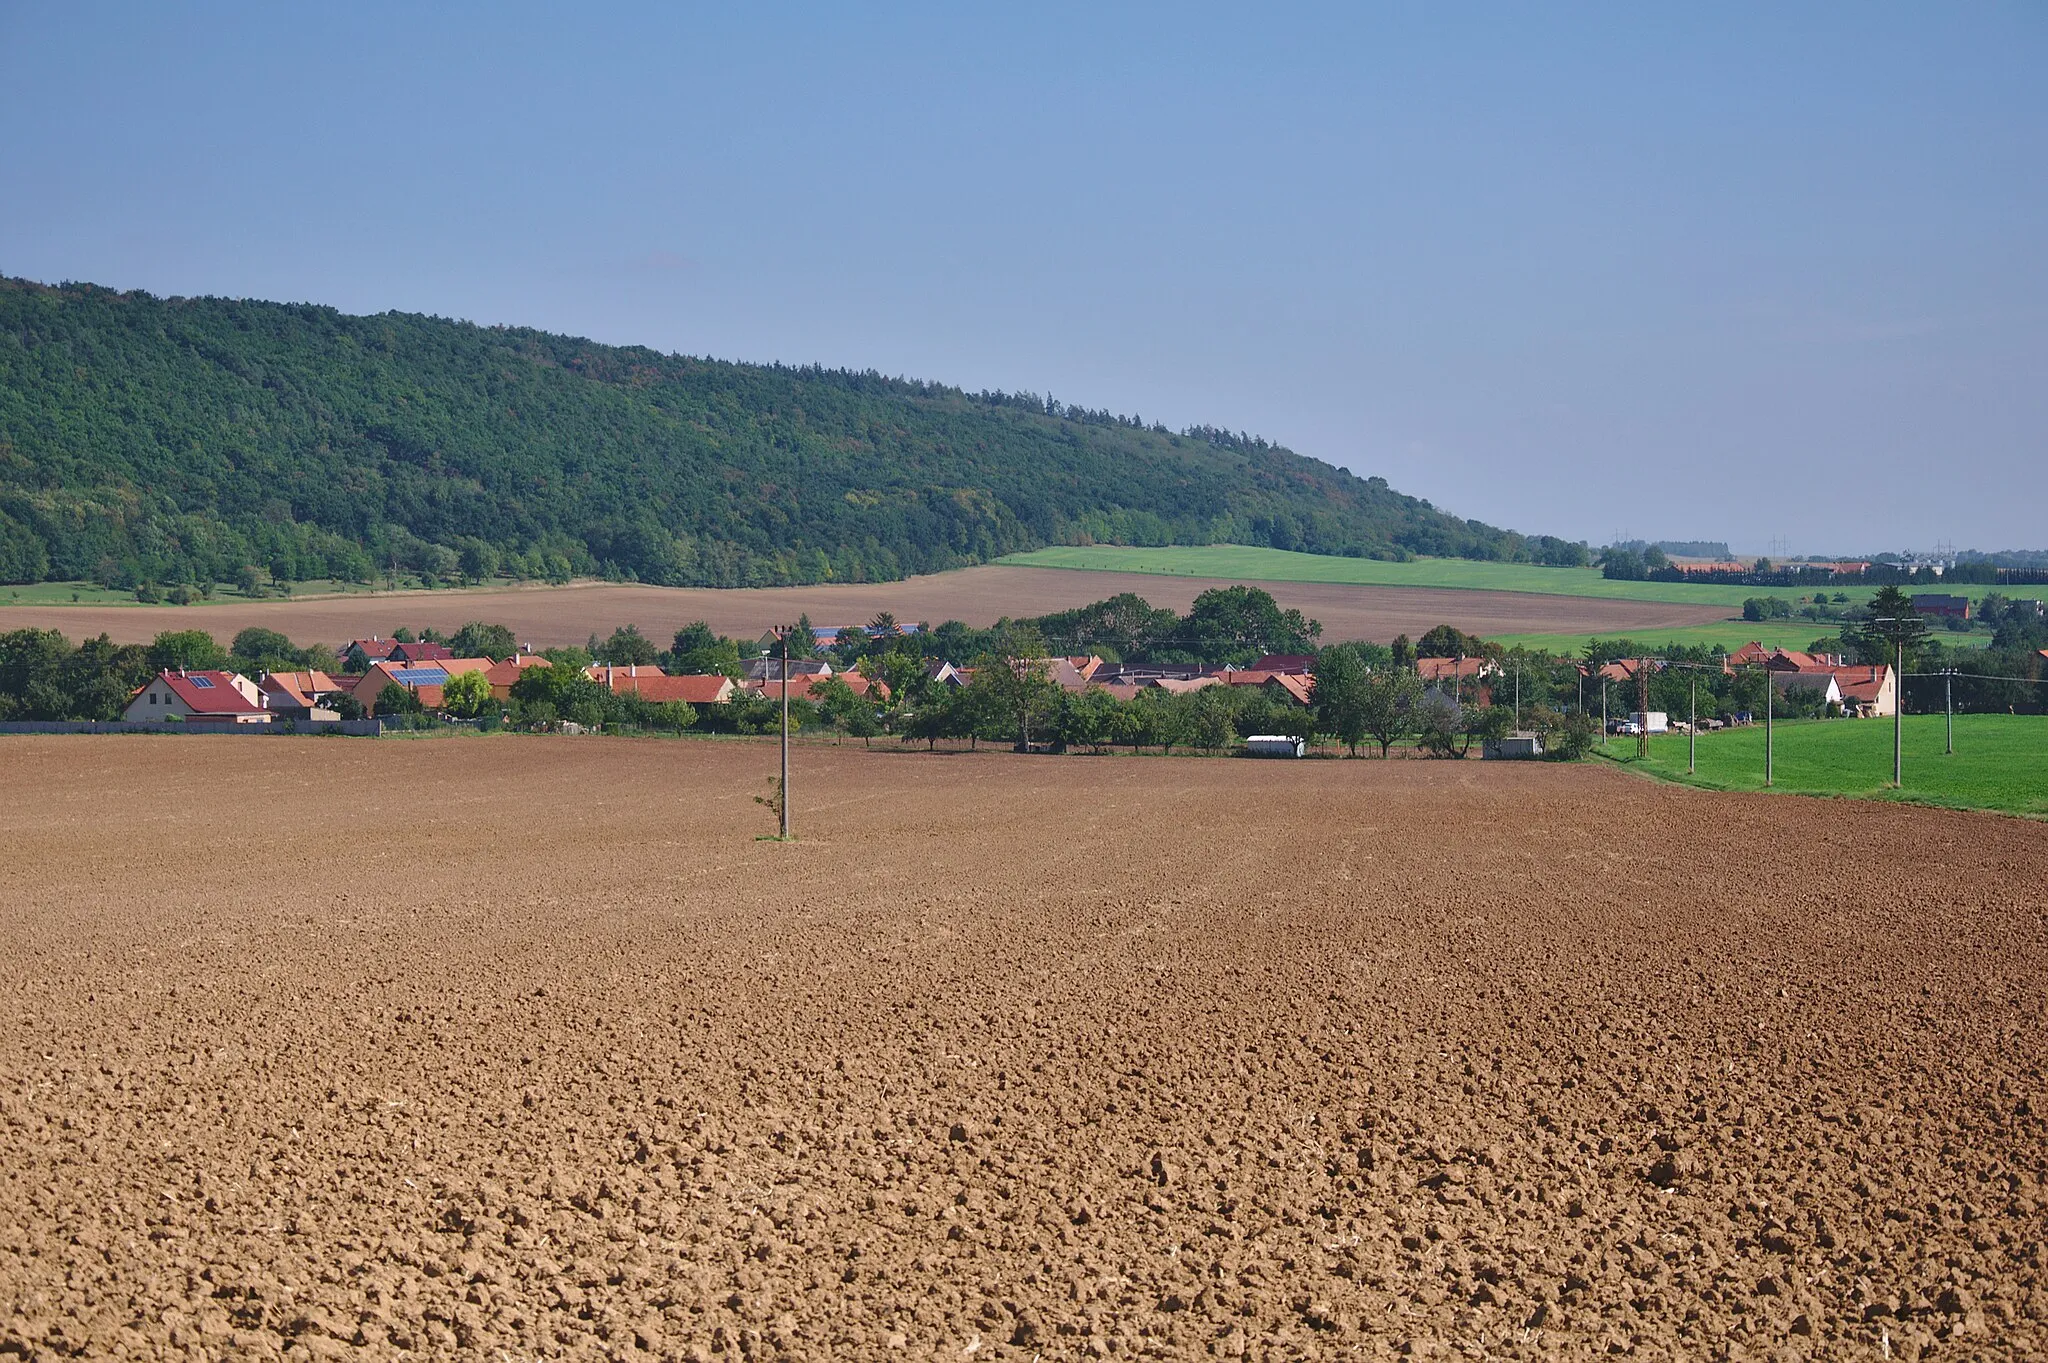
(1275, 745)
(1655, 722)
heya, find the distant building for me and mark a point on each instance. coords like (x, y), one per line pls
(1942, 607)
(297, 695)
(1285, 662)
(211, 697)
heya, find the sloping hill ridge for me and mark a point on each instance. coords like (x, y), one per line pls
(170, 439)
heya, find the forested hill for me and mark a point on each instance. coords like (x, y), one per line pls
(173, 440)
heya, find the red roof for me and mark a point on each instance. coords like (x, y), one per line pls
(376, 650)
(696, 690)
(207, 693)
(806, 688)
(621, 679)
(1861, 683)
(1437, 669)
(419, 652)
(1284, 662)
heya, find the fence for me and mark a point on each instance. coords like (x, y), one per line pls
(357, 728)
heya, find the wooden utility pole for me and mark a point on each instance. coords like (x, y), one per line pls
(783, 633)
(1642, 709)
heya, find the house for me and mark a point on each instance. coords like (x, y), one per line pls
(1749, 655)
(1821, 681)
(806, 688)
(1179, 686)
(944, 674)
(212, 697)
(693, 689)
(1942, 607)
(297, 695)
(502, 674)
(770, 668)
(424, 681)
(614, 678)
(1791, 660)
(1073, 674)
(357, 654)
(1294, 686)
(1453, 669)
(1284, 662)
(419, 652)
(1868, 692)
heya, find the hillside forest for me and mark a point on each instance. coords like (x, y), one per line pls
(178, 442)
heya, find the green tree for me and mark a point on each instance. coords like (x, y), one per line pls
(393, 699)
(467, 695)
(256, 647)
(1016, 677)
(1389, 706)
(1341, 684)
(627, 646)
(1232, 626)
(1892, 624)
(191, 650)
(697, 652)
(479, 639)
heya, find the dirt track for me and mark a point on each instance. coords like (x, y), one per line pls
(503, 1048)
(546, 616)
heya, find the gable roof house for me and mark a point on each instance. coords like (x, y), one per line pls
(297, 695)
(1821, 680)
(1868, 692)
(420, 651)
(208, 697)
(1445, 669)
(693, 688)
(1284, 662)
(503, 673)
(615, 678)
(1294, 686)
(358, 654)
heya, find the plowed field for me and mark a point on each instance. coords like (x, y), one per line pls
(506, 1048)
(546, 616)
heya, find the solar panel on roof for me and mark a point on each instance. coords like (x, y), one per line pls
(420, 676)
(203, 683)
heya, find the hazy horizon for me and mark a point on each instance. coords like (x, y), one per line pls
(1747, 276)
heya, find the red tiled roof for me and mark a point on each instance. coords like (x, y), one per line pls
(621, 679)
(696, 690)
(216, 696)
(1861, 683)
(420, 652)
(1437, 669)
(1284, 662)
(506, 671)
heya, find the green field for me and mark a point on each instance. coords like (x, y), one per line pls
(1246, 564)
(2000, 761)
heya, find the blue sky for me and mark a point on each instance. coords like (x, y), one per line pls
(1739, 272)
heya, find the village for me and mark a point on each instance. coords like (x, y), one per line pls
(1270, 704)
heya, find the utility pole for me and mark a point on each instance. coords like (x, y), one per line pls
(1770, 705)
(1899, 719)
(1603, 709)
(1518, 693)
(1692, 728)
(783, 635)
(1642, 709)
(1949, 706)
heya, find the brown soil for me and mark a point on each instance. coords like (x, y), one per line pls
(501, 1048)
(546, 616)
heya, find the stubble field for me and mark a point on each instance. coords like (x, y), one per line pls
(547, 616)
(509, 1048)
